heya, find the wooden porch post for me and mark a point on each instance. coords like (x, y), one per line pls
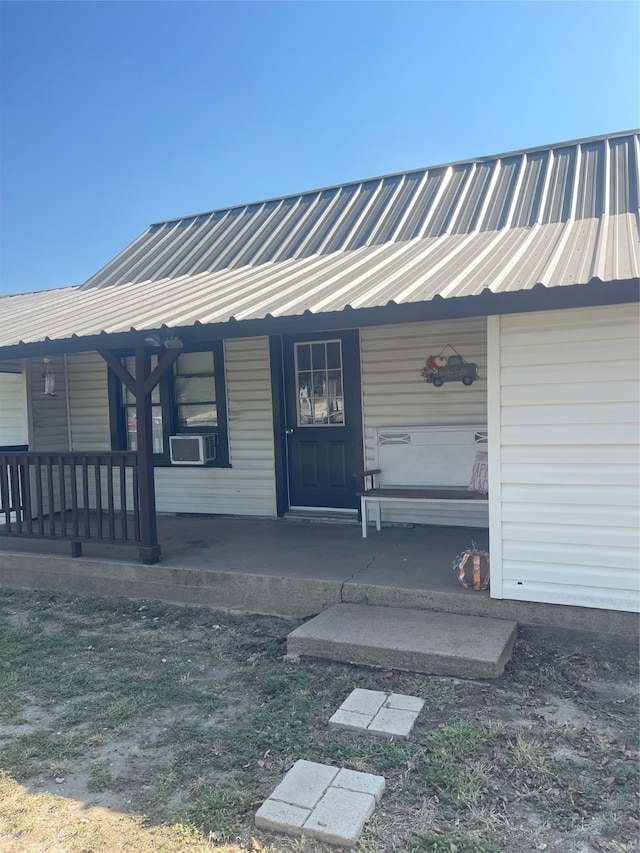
(141, 387)
(149, 548)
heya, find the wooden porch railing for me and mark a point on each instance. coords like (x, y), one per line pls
(78, 497)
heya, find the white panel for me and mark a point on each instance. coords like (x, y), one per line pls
(248, 487)
(395, 395)
(567, 494)
(592, 392)
(14, 427)
(569, 459)
(428, 455)
(568, 534)
(585, 473)
(586, 596)
(517, 379)
(574, 454)
(561, 514)
(603, 434)
(569, 413)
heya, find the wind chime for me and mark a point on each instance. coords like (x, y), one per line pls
(49, 378)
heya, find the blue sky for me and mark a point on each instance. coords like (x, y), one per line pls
(115, 115)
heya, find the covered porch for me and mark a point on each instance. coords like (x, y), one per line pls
(287, 568)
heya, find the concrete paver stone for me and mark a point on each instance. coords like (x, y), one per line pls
(350, 720)
(392, 723)
(364, 701)
(365, 783)
(277, 816)
(346, 801)
(340, 816)
(305, 783)
(378, 713)
(404, 703)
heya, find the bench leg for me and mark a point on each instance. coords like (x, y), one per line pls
(378, 516)
(363, 516)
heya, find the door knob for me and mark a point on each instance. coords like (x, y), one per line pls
(289, 431)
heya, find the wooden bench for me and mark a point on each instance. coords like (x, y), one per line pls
(427, 464)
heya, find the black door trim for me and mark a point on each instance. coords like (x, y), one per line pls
(279, 437)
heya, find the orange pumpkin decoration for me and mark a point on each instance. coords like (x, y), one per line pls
(477, 582)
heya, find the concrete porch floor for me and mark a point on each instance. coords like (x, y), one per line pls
(288, 568)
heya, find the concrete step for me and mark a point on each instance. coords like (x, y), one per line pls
(412, 640)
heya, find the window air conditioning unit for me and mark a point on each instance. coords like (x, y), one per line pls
(193, 449)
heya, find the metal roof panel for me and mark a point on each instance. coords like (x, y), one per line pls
(556, 216)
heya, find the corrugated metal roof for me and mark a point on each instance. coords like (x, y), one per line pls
(572, 181)
(556, 216)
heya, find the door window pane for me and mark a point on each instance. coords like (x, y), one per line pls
(320, 396)
(318, 356)
(319, 383)
(304, 356)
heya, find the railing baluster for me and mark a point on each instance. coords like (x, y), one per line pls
(98, 487)
(110, 502)
(39, 496)
(26, 491)
(124, 527)
(50, 497)
(63, 500)
(85, 498)
(75, 533)
(16, 494)
(136, 500)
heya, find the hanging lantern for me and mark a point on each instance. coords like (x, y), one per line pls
(49, 378)
(476, 582)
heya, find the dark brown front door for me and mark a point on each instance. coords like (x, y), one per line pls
(323, 418)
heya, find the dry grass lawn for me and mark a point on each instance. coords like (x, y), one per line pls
(145, 727)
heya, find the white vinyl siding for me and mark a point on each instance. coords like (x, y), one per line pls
(49, 422)
(248, 487)
(394, 394)
(566, 457)
(77, 418)
(14, 425)
(88, 402)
